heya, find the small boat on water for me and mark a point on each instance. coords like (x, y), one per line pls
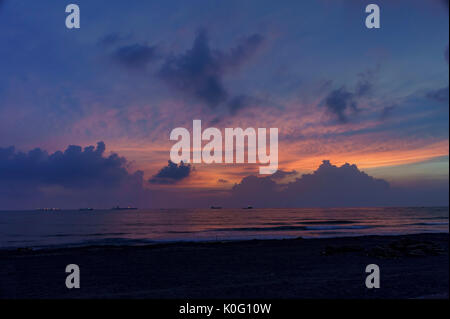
(248, 207)
(48, 209)
(124, 208)
(216, 207)
(88, 209)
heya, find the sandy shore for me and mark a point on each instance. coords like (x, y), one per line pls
(412, 266)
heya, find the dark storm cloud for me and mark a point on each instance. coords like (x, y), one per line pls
(332, 185)
(171, 174)
(136, 55)
(198, 73)
(76, 177)
(342, 102)
(339, 102)
(329, 185)
(75, 167)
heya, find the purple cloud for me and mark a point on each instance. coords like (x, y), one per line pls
(172, 173)
(198, 73)
(71, 177)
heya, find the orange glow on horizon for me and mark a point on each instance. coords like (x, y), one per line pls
(152, 158)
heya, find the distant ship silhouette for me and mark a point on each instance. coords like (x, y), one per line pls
(124, 208)
(48, 209)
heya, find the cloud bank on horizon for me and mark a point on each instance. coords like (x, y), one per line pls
(86, 176)
(336, 90)
(72, 177)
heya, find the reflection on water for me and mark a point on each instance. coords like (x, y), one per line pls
(40, 229)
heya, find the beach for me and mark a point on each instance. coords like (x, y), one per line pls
(411, 266)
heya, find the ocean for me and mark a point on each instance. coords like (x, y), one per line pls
(39, 229)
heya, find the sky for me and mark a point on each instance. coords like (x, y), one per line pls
(86, 114)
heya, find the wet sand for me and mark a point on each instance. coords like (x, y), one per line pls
(412, 266)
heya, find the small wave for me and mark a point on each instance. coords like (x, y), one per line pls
(104, 234)
(180, 232)
(330, 222)
(278, 228)
(436, 217)
(428, 224)
(113, 242)
(338, 227)
(85, 235)
(291, 228)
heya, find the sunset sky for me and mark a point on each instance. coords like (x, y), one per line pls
(337, 91)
